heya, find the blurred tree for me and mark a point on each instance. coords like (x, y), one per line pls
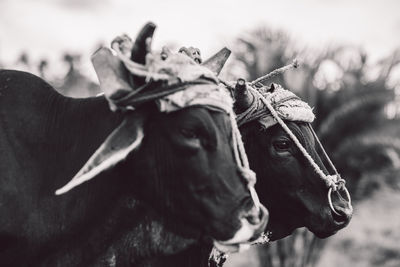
(352, 120)
(74, 83)
(24, 63)
(43, 65)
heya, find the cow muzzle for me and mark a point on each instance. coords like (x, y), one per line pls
(341, 208)
(253, 224)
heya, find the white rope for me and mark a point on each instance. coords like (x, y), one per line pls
(243, 162)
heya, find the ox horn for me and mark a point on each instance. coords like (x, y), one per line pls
(140, 48)
(136, 51)
(142, 44)
(243, 98)
(123, 140)
(217, 61)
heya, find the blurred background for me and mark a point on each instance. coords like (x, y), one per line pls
(350, 73)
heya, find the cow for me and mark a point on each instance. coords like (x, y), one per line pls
(287, 183)
(181, 164)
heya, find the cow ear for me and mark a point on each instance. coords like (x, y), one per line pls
(123, 140)
(112, 75)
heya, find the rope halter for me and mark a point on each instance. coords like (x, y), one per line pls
(272, 107)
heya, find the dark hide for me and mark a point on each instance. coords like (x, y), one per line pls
(45, 139)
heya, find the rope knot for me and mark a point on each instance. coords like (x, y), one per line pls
(331, 184)
(251, 179)
(248, 175)
(332, 181)
(335, 182)
(341, 183)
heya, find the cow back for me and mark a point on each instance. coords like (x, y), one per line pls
(44, 139)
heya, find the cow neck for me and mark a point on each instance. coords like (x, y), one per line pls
(90, 121)
(139, 215)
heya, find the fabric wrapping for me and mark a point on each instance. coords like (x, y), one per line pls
(184, 82)
(202, 94)
(288, 106)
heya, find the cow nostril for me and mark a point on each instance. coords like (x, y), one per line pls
(341, 210)
(253, 216)
(340, 215)
(259, 216)
(254, 220)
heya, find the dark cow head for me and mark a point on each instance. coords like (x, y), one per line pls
(294, 193)
(181, 160)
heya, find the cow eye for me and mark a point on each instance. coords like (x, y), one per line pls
(281, 145)
(189, 134)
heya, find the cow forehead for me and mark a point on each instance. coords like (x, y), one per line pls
(207, 118)
(301, 130)
(208, 95)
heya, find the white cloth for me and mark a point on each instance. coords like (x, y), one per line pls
(206, 95)
(288, 106)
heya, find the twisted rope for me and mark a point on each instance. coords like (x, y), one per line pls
(242, 160)
(258, 82)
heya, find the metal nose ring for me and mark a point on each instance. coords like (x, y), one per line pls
(330, 199)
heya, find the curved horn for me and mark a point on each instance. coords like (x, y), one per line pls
(243, 98)
(140, 48)
(217, 61)
(123, 140)
(142, 44)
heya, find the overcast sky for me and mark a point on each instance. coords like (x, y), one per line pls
(44, 28)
